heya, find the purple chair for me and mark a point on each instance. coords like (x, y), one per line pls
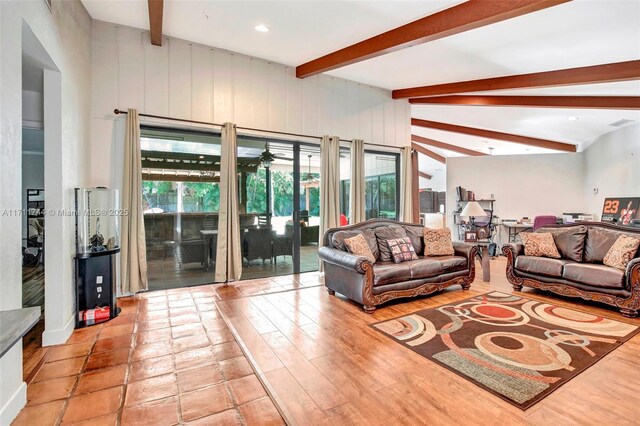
(540, 221)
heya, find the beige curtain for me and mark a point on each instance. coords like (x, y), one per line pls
(357, 210)
(229, 254)
(406, 194)
(329, 184)
(133, 254)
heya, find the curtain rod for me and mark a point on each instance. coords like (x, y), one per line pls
(184, 120)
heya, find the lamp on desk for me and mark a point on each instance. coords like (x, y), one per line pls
(472, 210)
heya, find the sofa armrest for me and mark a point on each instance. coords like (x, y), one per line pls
(464, 249)
(516, 249)
(633, 273)
(344, 259)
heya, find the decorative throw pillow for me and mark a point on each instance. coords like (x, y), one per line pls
(384, 233)
(437, 242)
(621, 252)
(358, 245)
(402, 250)
(540, 244)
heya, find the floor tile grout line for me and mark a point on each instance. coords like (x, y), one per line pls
(275, 398)
(225, 382)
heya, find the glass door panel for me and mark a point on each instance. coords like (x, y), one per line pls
(382, 184)
(266, 200)
(309, 203)
(181, 200)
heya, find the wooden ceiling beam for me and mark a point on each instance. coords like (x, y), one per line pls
(590, 102)
(483, 133)
(606, 73)
(444, 145)
(156, 10)
(424, 151)
(454, 20)
(424, 175)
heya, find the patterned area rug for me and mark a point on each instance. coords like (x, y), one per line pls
(519, 349)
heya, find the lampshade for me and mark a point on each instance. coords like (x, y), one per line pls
(473, 209)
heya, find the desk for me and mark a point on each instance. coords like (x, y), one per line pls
(514, 229)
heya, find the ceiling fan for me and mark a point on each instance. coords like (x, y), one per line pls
(267, 157)
(309, 177)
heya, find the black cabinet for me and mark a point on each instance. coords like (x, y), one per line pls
(95, 289)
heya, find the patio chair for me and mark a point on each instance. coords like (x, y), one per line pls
(257, 244)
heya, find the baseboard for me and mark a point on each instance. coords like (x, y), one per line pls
(13, 406)
(59, 336)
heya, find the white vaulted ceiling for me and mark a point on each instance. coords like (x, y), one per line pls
(300, 30)
(574, 34)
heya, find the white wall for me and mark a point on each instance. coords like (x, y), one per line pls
(612, 163)
(191, 81)
(523, 185)
(32, 109)
(65, 34)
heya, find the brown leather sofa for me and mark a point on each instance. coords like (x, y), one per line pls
(373, 284)
(580, 272)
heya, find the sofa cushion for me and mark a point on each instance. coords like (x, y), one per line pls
(539, 244)
(621, 252)
(337, 240)
(424, 268)
(384, 233)
(451, 263)
(594, 275)
(415, 234)
(599, 241)
(569, 240)
(402, 250)
(389, 272)
(541, 265)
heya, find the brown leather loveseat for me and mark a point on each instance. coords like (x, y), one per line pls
(373, 284)
(580, 272)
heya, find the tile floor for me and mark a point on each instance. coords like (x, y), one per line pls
(168, 359)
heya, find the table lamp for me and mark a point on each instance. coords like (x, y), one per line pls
(472, 210)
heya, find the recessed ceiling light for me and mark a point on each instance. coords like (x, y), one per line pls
(572, 118)
(262, 28)
(201, 157)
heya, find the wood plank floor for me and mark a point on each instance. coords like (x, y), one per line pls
(329, 367)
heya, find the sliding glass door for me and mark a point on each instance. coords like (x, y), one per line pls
(278, 198)
(181, 200)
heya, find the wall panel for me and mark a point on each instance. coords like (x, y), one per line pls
(180, 65)
(294, 102)
(310, 105)
(202, 83)
(105, 71)
(222, 87)
(259, 94)
(242, 89)
(156, 77)
(277, 81)
(130, 61)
